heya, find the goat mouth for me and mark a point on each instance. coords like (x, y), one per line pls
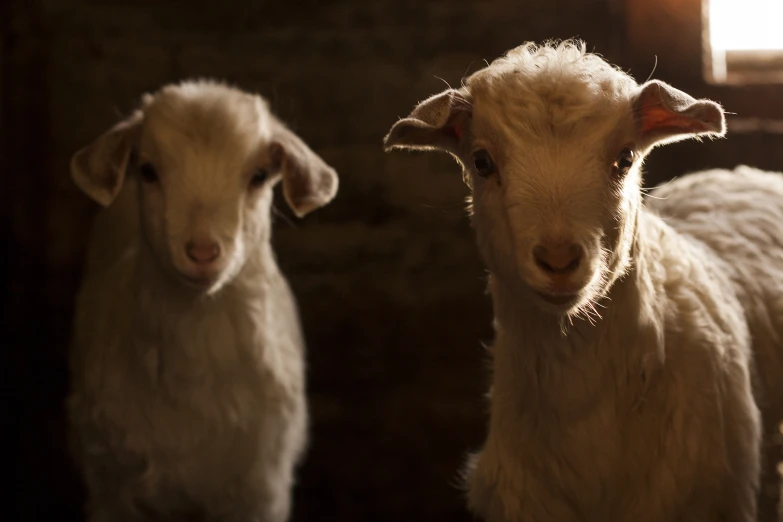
(557, 299)
(198, 282)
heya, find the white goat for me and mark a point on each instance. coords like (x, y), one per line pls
(187, 397)
(621, 364)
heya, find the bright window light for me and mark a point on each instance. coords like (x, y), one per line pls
(745, 40)
(746, 25)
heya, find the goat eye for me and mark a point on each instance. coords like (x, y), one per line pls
(148, 173)
(624, 162)
(259, 178)
(483, 163)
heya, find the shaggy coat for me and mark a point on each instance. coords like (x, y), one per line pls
(187, 397)
(622, 383)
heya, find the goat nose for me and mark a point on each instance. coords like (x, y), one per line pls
(561, 259)
(202, 253)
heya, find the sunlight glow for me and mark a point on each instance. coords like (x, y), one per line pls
(746, 25)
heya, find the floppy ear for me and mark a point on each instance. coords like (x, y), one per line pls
(99, 169)
(436, 123)
(308, 182)
(665, 114)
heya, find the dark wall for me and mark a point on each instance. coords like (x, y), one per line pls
(390, 288)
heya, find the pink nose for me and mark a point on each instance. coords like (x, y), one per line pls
(558, 259)
(202, 253)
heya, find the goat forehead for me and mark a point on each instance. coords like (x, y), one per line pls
(545, 120)
(560, 176)
(558, 87)
(550, 153)
(198, 145)
(211, 115)
(202, 131)
(555, 187)
(191, 156)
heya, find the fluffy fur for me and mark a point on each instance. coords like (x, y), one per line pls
(622, 387)
(187, 393)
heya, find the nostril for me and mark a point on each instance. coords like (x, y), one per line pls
(540, 255)
(202, 253)
(559, 259)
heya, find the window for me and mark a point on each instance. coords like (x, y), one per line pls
(743, 41)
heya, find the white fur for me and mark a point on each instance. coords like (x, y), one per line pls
(633, 401)
(188, 399)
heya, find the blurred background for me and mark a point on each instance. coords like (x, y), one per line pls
(390, 288)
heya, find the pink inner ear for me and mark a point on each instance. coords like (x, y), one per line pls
(455, 130)
(656, 117)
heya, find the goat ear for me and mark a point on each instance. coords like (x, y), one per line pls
(665, 114)
(436, 123)
(308, 182)
(99, 169)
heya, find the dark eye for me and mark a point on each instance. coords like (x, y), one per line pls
(624, 162)
(483, 163)
(259, 178)
(148, 173)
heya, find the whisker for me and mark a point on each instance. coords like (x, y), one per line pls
(591, 304)
(278, 214)
(655, 66)
(444, 81)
